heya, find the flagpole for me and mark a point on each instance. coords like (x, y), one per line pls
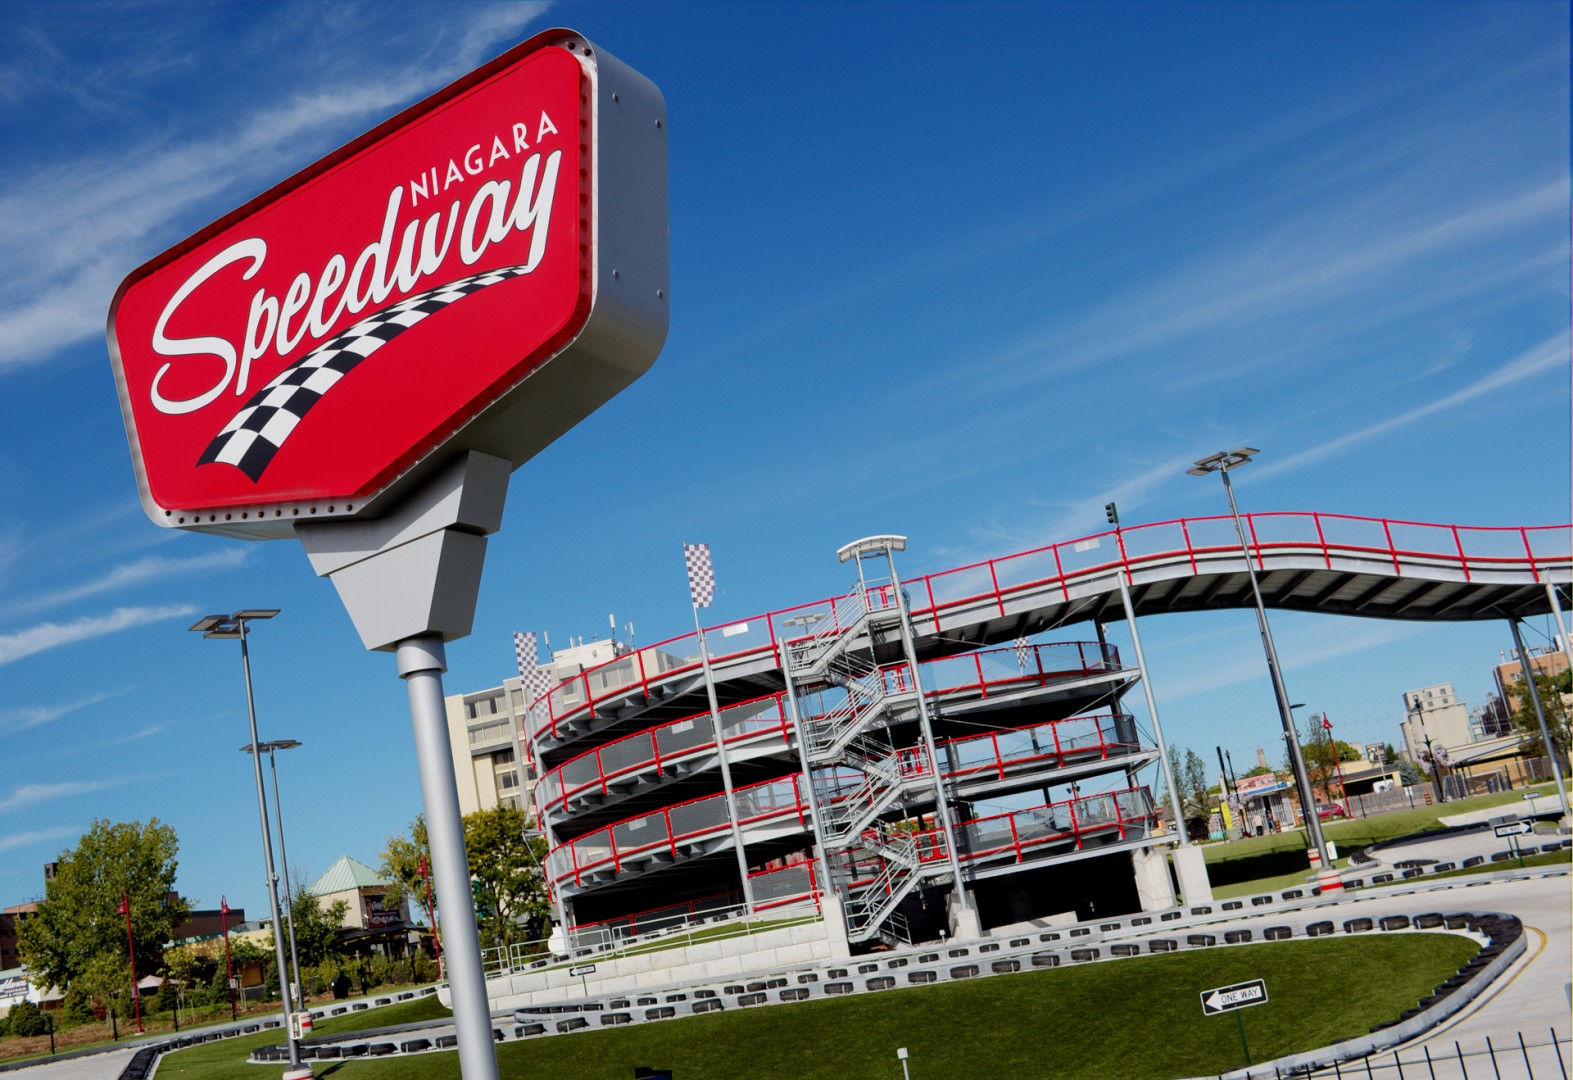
(705, 592)
(131, 954)
(431, 915)
(537, 688)
(229, 967)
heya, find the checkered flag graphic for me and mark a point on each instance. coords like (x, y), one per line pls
(524, 650)
(257, 432)
(1023, 650)
(536, 681)
(701, 574)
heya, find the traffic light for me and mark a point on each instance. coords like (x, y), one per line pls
(1112, 513)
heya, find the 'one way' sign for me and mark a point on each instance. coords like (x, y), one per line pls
(1228, 998)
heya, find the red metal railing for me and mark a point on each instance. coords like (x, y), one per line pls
(1016, 836)
(766, 718)
(1189, 541)
(793, 882)
(665, 830)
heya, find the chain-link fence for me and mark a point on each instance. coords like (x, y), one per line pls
(1511, 1057)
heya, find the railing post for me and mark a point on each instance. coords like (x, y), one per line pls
(1463, 560)
(1392, 549)
(1529, 553)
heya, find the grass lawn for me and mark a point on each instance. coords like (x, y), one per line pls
(1079, 1023)
(404, 1012)
(1278, 861)
(1555, 858)
(88, 1036)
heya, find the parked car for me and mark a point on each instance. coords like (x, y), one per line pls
(1330, 810)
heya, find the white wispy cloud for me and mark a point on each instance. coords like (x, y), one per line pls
(38, 836)
(33, 794)
(74, 228)
(145, 732)
(138, 572)
(1325, 255)
(1547, 355)
(20, 719)
(49, 635)
(1213, 675)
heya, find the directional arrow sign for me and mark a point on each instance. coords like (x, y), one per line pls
(1228, 998)
(1530, 796)
(1515, 828)
(582, 969)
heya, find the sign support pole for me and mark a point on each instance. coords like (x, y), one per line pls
(422, 660)
(410, 582)
(1246, 1050)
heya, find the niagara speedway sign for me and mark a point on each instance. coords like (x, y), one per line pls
(305, 352)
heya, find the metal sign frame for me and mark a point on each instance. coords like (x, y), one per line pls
(1232, 1005)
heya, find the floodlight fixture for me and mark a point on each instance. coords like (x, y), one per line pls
(1223, 461)
(871, 545)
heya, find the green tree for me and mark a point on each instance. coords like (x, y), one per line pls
(316, 927)
(401, 862)
(1551, 689)
(1191, 780)
(505, 868)
(508, 889)
(78, 927)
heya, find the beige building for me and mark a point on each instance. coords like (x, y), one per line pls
(362, 889)
(485, 728)
(1434, 713)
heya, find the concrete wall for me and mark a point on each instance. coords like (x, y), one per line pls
(705, 961)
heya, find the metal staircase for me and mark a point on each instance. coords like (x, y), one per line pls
(875, 901)
(840, 653)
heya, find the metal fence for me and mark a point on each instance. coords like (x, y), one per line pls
(1512, 1057)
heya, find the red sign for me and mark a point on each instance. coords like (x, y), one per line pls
(303, 353)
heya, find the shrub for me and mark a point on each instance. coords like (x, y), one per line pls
(25, 1019)
(423, 969)
(77, 1006)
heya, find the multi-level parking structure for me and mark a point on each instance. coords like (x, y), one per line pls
(863, 735)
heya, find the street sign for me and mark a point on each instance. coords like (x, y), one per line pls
(1516, 828)
(1530, 796)
(582, 969)
(1228, 998)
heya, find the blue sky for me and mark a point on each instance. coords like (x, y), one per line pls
(964, 273)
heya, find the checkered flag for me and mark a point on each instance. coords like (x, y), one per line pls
(536, 681)
(257, 432)
(701, 575)
(1022, 650)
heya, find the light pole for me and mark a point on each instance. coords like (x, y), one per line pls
(234, 626)
(1431, 761)
(1221, 463)
(278, 813)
